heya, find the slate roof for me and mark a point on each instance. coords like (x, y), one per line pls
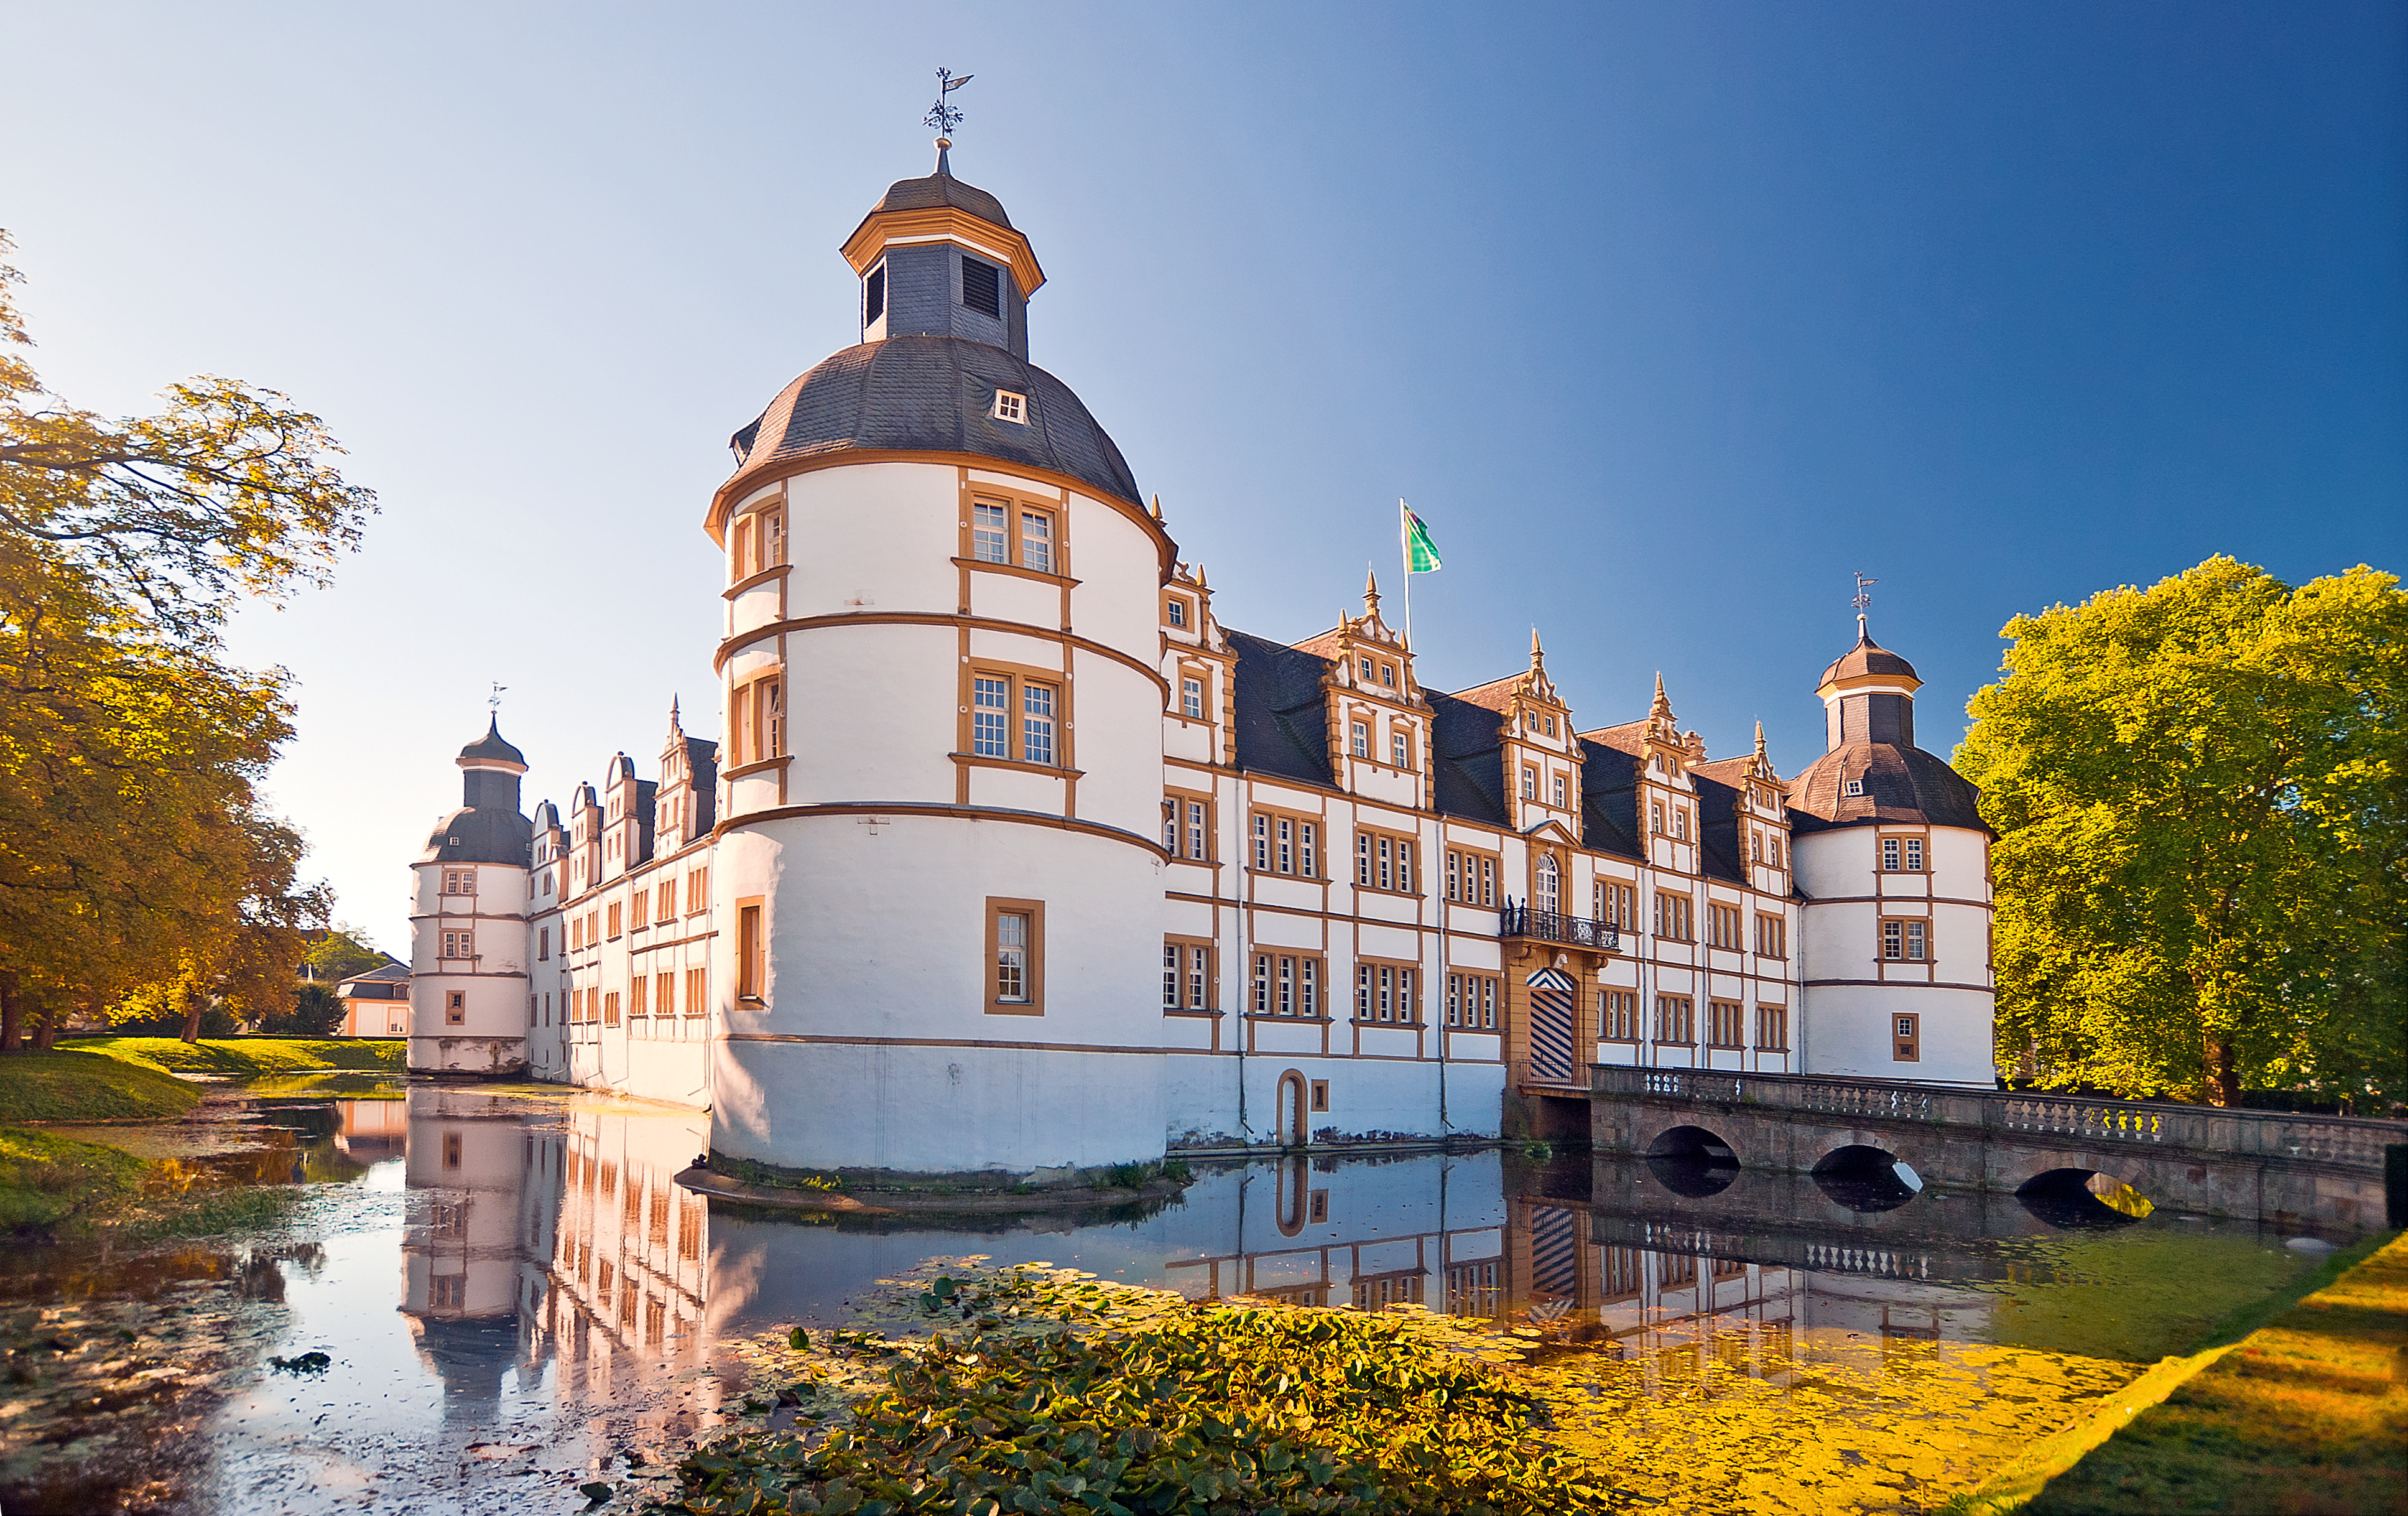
(469, 836)
(930, 394)
(1282, 724)
(943, 190)
(1866, 656)
(1902, 784)
(1610, 796)
(491, 746)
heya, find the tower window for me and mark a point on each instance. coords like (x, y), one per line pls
(1010, 407)
(982, 287)
(1854, 786)
(873, 296)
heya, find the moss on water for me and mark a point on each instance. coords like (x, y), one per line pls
(73, 1085)
(250, 1058)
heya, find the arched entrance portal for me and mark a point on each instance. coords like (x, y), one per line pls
(1291, 1109)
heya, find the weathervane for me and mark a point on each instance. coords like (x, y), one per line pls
(495, 700)
(943, 116)
(1864, 599)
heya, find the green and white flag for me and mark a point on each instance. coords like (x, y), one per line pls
(1421, 553)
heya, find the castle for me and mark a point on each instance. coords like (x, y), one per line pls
(1152, 884)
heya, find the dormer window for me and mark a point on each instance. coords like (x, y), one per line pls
(1362, 735)
(1854, 786)
(1367, 669)
(1529, 783)
(1551, 726)
(873, 297)
(1191, 698)
(982, 287)
(1010, 407)
(1388, 676)
(1175, 611)
(1401, 749)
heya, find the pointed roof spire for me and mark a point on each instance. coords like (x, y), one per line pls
(1200, 577)
(1662, 709)
(1759, 741)
(673, 714)
(1371, 592)
(1157, 510)
(1538, 654)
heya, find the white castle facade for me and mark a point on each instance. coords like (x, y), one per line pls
(1104, 879)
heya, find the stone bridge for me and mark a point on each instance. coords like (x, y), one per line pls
(2265, 1165)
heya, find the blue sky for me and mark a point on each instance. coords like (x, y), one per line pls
(1665, 317)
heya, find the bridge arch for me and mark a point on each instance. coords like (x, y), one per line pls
(1692, 1161)
(2082, 1198)
(1865, 1178)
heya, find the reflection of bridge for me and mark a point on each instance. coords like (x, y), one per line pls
(2266, 1165)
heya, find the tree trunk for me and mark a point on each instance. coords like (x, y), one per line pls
(46, 1028)
(12, 1013)
(2223, 1079)
(192, 1018)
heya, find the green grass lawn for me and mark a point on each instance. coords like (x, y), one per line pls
(46, 1180)
(78, 1086)
(247, 1058)
(2308, 1414)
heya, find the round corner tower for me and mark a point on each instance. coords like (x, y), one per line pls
(468, 924)
(1893, 858)
(937, 877)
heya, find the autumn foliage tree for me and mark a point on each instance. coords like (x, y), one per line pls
(134, 852)
(2200, 791)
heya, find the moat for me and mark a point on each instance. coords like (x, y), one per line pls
(513, 1299)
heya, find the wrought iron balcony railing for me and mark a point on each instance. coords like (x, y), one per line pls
(1553, 926)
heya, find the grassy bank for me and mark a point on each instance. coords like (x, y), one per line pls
(2306, 1413)
(250, 1058)
(49, 1181)
(78, 1086)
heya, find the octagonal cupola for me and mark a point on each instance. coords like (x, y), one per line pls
(937, 257)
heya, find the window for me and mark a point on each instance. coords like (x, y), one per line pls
(617, 928)
(981, 287)
(1560, 791)
(1384, 992)
(1037, 541)
(1015, 954)
(1675, 1018)
(639, 909)
(1400, 750)
(1726, 1023)
(1471, 1001)
(1771, 936)
(544, 946)
(1321, 1097)
(1906, 1039)
(873, 296)
(990, 716)
(1617, 905)
(1186, 974)
(1723, 930)
(1617, 1016)
(1547, 895)
(1655, 817)
(1388, 676)
(1901, 855)
(697, 895)
(1287, 984)
(640, 998)
(1755, 846)
(459, 943)
(1854, 786)
(697, 991)
(1037, 723)
(760, 709)
(456, 1008)
(1174, 611)
(592, 928)
(1010, 407)
(1673, 919)
(1187, 827)
(669, 899)
(1471, 877)
(1529, 783)
(1772, 1029)
(459, 881)
(665, 993)
(1914, 855)
(751, 977)
(1907, 939)
(1367, 669)
(1360, 731)
(990, 541)
(1286, 845)
(1191, 697)
(1383, 861)
(610, 1009)
(1776, 850)
(1551, 726)
(1680, 823)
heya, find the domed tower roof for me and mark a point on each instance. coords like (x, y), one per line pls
(1873, 772)
(492, 750)
(487, 828)
(942, 366)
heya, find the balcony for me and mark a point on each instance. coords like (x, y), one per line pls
(1553, 926)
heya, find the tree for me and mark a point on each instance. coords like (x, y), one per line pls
(2200, 791)
(313, 1011)
(340, 952)
(133, 851)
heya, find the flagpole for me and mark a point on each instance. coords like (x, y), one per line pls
(1405, 552)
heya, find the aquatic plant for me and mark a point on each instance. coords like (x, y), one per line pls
(1062, 1394)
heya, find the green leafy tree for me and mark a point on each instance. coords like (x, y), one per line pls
(339, 952)
(2200, 791)
(133, 851)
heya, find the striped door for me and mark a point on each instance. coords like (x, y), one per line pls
(1553, 1012)
(1555, 1238)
